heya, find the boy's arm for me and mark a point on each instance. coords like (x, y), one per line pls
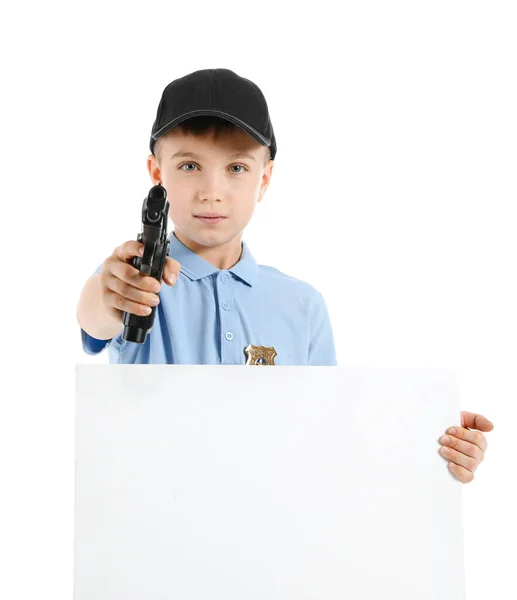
(321, 346)
(98, 327)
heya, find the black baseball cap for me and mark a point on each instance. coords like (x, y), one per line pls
(217, 92)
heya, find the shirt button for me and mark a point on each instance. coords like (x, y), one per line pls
(226, 306)
(229, 335)
(225, 278)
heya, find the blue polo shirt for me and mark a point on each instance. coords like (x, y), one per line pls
(210, 316)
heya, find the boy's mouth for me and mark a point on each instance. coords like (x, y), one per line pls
(210, 218)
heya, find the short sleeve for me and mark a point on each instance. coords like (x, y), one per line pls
(94, 346)
(322, 350)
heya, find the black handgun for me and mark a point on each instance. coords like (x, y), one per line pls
(155, 211)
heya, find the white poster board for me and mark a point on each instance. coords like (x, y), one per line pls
(279, 483)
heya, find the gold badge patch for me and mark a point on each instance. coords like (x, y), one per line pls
(259, 355)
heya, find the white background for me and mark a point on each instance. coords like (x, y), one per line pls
(393, 193)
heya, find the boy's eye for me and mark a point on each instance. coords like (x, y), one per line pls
(236, 172)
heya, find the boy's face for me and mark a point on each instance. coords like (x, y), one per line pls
(214, 181)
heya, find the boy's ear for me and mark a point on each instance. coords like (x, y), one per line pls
(154, 169)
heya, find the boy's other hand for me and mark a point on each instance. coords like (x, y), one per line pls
(124, 288)
(465, 447)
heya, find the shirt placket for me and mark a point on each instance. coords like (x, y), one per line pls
(228, 320)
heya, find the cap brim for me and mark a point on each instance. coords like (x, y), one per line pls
(217, 113)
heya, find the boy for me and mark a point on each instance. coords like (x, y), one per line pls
(219, 306)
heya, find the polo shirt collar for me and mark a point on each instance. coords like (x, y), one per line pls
(195, 267)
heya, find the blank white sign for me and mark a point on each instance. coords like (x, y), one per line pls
(280, 483)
